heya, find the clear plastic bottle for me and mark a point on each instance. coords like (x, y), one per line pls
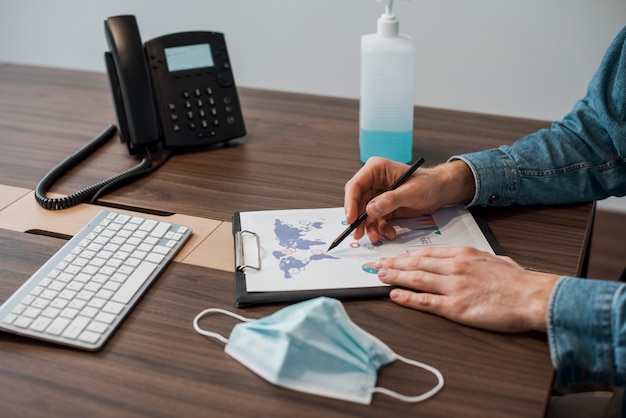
(387, 91)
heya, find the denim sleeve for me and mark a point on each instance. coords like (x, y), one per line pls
(587, 331)
(580, 158)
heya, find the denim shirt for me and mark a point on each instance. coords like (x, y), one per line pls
(579, 159)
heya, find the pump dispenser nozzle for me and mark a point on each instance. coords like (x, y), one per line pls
(388, 6)
(388, 25)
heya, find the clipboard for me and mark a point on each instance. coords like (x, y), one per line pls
(248, 262)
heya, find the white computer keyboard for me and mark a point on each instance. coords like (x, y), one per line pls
(83, 292)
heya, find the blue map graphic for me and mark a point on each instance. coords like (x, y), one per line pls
(293, 241)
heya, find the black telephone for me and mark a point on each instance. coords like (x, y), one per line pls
(179, 90)
(175, 93)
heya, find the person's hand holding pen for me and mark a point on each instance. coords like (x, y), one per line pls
(427, 190)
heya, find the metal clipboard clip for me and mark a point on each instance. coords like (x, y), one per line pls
(240, 259)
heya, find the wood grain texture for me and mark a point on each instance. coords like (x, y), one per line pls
(608, 246)
(299, 152)
(157, 365)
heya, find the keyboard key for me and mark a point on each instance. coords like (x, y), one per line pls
(22, 322)
(57, 326)
(161, 249)
(50, 312)
(148, 225)
(76, 327)
(31, 312)
(9, 318)
(160, 229)
(89, 337)
(39, 303)
(69, 313)
(105, 317)
(154, 258)
(49, 294)
(19, 309)
(113, 307)
(97, 327)
(96, 303)
(77, 304)
(40, 324)
(134, 282)
(59, 303)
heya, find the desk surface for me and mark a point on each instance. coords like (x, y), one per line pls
(298, 153)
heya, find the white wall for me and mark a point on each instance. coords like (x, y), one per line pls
(523, 58)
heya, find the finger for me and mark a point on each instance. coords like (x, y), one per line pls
(384, 203)
(359, 232)
(446, 251)
(414, 279)
(459, 253)
(420, 260)
(376, 229)
(387, 231)
(379, 228)
(460, 260)
(353, 201)
(369, 227)
(425, 302)
(362, 187)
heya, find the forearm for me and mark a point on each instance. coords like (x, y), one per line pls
(580, 158)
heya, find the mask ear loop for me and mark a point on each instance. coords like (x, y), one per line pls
(418, 398)
(212, 334)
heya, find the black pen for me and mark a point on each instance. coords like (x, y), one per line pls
(362, 216)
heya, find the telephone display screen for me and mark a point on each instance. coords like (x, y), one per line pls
(188, 57)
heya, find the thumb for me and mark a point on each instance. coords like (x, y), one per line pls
(383, 204)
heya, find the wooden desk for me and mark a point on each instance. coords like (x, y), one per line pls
(298, 153)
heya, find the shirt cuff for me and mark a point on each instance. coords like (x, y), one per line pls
(495, 177)
(584, 331)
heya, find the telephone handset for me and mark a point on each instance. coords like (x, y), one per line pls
(178, 90)
(175, 93)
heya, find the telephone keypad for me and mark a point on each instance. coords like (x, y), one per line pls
(201, 113)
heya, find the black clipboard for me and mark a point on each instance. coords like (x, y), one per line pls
(245, 298)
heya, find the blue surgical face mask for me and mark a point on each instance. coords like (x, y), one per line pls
(314, 347)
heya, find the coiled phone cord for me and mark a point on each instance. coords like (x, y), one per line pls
(94, 191)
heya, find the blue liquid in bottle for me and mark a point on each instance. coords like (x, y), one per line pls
(397, 146)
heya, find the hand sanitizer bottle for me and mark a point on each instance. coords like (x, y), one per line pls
(387, 91)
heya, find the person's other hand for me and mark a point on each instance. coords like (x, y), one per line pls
(471, 287)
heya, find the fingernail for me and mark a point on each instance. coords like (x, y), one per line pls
(380, 262)
(382, 273)
(374, 209)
